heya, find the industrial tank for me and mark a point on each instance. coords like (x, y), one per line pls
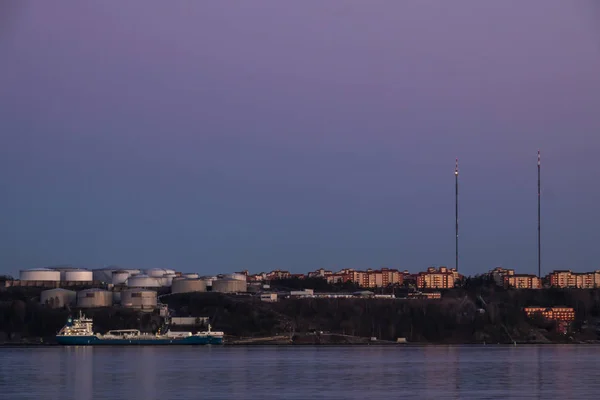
(39, 274)
(239, 277)
(103, 274)
(139, 299)
(94, 298)
(142, 281)
(188, 285)
(166, 280)
(229, 285)
(190, 276)
(78, 275)
(156, 272)
(120, 277)
(209, 280)
(56, 298)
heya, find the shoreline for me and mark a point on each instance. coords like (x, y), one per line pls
(288, 344)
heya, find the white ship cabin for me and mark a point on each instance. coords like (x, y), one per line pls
(78, 327)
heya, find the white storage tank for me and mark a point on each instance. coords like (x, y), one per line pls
(209, 280)
(39, 274)
(103, 274)
(190, 276)
(229, 286)
(167, 280)
(139, 299)
(78, 275)
(142, 281)
(239, 277)
(188, 285)
(94, 298)
(120, 277)
(56, 298)
(156, 272)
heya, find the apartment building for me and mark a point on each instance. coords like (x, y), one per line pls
(582, 280)
(498, 274)
(442, 278)
(369, 278)
(522, 281)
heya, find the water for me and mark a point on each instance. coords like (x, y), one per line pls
(370, 372)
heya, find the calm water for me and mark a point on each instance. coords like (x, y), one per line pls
(453, 372)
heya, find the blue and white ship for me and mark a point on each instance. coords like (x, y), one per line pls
(79, 332)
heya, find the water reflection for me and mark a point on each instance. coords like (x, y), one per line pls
(354, 372)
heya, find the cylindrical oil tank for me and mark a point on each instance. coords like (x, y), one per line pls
(156, 272)
(78, 275)
(142, 281)
(239, 277)
(209, 280)
(94, 298)
(103, 274)
(39, 274)
(62, 269)
(167, 280)
(56, 298)
(229, 286)
(169, 271)
(139, 299)
(188, 285)
(190, 276)
(120, 277)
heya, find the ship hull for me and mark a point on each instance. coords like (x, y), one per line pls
(96, 341)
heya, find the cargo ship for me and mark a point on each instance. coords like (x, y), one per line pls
(79, 332)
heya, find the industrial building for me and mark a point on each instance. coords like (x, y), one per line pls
(90, 298)
(188, 285)
(141, 299)
(56, 298)
(229, 285)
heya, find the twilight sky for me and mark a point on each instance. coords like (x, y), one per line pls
(213, 136)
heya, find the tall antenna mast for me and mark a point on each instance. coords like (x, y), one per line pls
(456, 211)
(539, 218)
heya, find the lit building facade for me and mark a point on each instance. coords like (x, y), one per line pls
(442, 278)
(566, 278)
(522, 281)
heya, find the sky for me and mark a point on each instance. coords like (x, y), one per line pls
(214, 136)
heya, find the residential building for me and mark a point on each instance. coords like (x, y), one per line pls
(552, 313)
(278, 274)
(522, 281)
(320, 273)
(442, 278)
(498, 274)
(582, 280)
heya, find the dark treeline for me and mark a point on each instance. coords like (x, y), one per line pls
(475, 313)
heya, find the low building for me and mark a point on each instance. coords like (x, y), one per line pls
(268, 297)
(424, 295)
(302, 293)
(522, 281)
(566, 314)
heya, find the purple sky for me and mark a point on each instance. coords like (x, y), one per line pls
(214, 136)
